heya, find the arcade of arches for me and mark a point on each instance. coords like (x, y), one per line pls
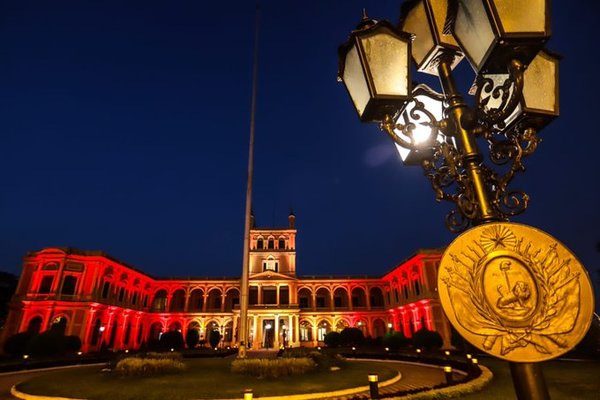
(107, 303)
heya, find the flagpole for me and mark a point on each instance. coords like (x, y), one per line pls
(244, 284)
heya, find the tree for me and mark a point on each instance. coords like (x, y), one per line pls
(171, 340)
(192, 338)
(214, 337)
(18, 344)
(426, 339)
(8, 285)
(332, 339)
(351, 337)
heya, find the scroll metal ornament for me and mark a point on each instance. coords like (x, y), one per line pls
(515, 292)
(442, 159)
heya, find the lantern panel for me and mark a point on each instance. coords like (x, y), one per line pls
(426, 20)
(440, 12)
(540, 90)
(473, 30)
(355, 82)
(388, 61)
(522, 15)
(422, 136)
(416, 23)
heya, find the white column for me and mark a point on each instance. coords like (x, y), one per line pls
(296, 329)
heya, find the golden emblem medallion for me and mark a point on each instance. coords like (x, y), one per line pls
(515, 292)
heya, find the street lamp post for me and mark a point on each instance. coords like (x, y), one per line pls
(498, 281)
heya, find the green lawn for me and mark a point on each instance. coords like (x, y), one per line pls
(204, 378)
(566, 380)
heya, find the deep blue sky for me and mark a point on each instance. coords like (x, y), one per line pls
(124, 128)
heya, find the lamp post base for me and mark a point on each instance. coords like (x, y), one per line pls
(528, 381)
(242, 351)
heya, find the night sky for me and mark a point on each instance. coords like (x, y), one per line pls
(124, 128)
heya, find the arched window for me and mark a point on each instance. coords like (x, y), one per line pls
(270, 265)
(140, 333)
(134, 298)
(69, 283)
(417, 287)
(260, 244)
(121, 294)
(160, 301)
(305, 331)
(105, 289)
(46, 284)
(271, 244)
(96, 332)
(281, 243)
(127, 333)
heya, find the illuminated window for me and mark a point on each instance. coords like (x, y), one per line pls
(305, 332)
(322, 330)
(160, 301)
(270, 265)
(46, 284)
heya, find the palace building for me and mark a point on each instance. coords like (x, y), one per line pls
(109, 303)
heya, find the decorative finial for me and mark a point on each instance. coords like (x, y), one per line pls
(365, 22)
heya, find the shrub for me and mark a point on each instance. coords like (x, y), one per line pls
(273, 368)
(395, 340)
(134, 366)
(427, 339)
(169, 355)
(332, 339)
(323, 359)
(48, 343)
(18, 344)
(72, 343)
(351, 337)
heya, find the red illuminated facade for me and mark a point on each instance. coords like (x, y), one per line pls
(108, 303)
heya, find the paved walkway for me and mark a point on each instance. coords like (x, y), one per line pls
(8, 379)
(414, 376)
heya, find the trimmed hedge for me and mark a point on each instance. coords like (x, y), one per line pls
(134, 366)
(273, 368)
